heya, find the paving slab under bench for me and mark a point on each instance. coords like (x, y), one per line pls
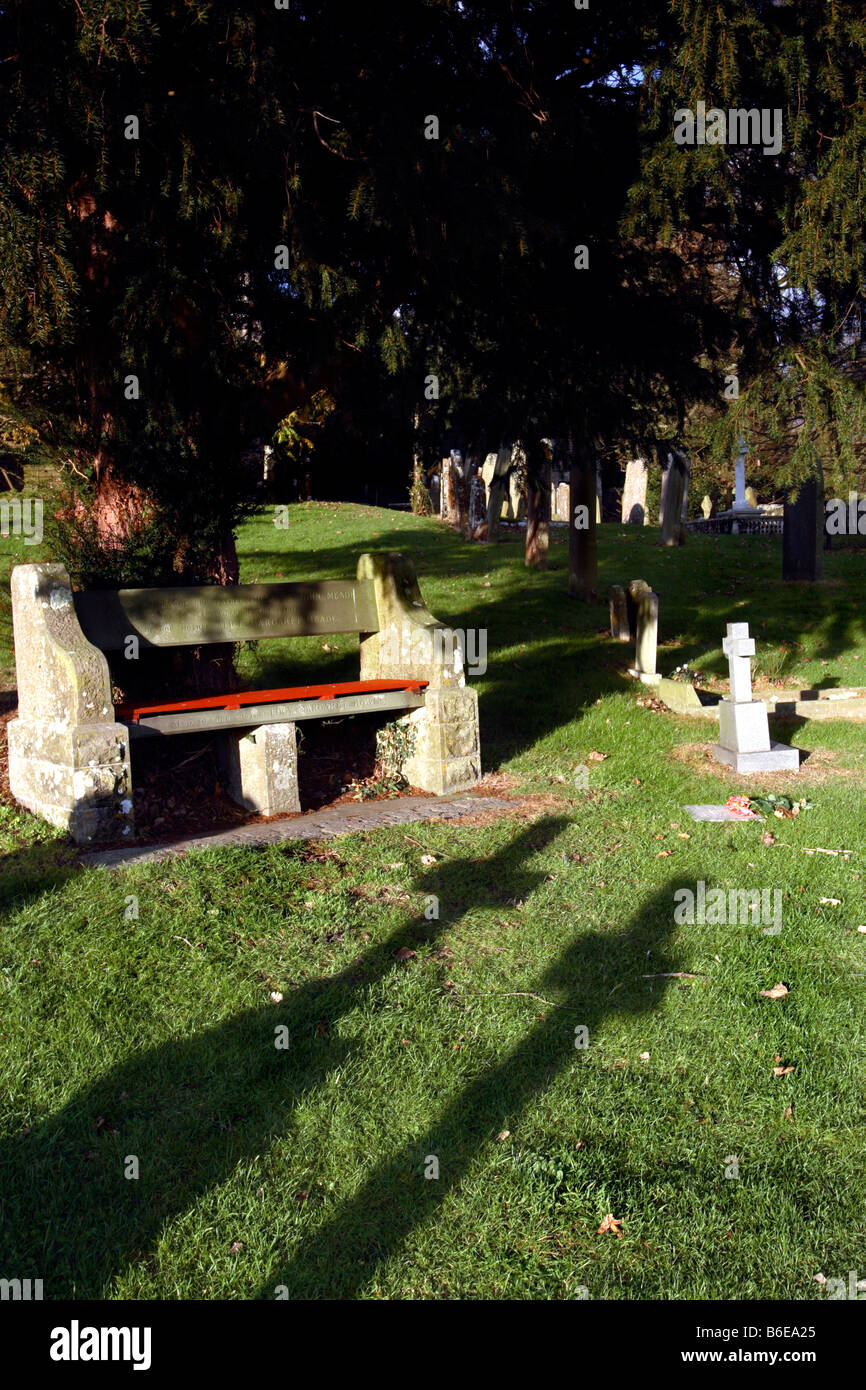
(316, 825)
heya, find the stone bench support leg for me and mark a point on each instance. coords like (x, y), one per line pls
(260, 767)
(410, 645)
(446, 755)
(74, 776)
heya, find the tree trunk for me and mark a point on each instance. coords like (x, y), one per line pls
(582, 530)
(537, 508)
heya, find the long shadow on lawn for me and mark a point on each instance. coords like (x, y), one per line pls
(344, 1253)
(192, 1110)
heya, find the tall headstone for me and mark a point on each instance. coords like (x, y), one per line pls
(744, 732)
(560, 501)
(634, 492)
(477, 503)
(674, 502)
(802, 556)
(646, 638)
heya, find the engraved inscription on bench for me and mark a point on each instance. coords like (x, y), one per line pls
(188, 617)
(193, 721)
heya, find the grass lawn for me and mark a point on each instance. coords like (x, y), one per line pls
(286, 1146)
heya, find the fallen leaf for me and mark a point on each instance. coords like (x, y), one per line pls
(236, 1245)
(644, 1056)
(684, 835)
(663, 853)
(777, 992)
(768, 838)
(782, 1071)
(862, 929)
(276, 997)
(610, 1223)
(819, 1278)
(834, 902)
(503, 1134)
(789, 1113)
(404, 953)
(428, 858)
(596, 757)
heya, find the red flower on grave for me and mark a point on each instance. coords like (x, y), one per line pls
(739, 806)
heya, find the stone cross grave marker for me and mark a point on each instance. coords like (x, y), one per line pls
(744, 732)
(739, 648)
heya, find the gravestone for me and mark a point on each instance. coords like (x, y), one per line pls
(744, 732)
(619, 624)
(675, 493)
(643, 604)
(477, 503)
(560, 502)
(707, 506)
(802, 556)
(634, 492)
(752, 497)
(742, 506)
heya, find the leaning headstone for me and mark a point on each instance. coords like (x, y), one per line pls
(634, 492)
(752, 497)
(646, 641)
(744, 732)
(619, 624)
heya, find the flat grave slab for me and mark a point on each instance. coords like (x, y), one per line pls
(316, 825)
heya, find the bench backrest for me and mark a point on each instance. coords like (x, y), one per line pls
(189, 617)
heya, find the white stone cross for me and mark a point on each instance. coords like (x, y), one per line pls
(738, 647)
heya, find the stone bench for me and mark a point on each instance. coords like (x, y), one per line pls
(69, 747)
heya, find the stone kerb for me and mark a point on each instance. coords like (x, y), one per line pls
(68, 758)
(410, 644)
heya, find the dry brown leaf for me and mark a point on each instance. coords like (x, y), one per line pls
(777, 992)
(596, 757)
(768, 838)
(610, 1223)
(789, 1112)
(782, 1071)
(663, 853)
(405, 953)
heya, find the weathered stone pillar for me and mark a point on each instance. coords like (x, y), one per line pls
(260, 767)
(68, 758)
(643, 610)
(411, 645)
(619, 626)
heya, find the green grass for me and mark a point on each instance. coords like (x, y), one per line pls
(302, 1168)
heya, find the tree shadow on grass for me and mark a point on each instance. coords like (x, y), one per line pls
(192, 1109)
(345, 1252)
(195, 1109)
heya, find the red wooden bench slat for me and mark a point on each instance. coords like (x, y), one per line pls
(131, 713)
